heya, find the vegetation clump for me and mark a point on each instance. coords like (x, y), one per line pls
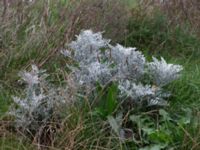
(97, 93)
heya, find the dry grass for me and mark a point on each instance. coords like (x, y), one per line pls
(35, 32)
(179, 12)
(111, 16)
(79, 130)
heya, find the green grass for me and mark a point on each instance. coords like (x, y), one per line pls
(155, 36)
(13, 142)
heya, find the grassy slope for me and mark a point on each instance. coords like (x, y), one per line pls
(152, 36)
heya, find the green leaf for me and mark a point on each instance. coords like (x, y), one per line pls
(165, 115)
(107, 100)
(160, 137)
(111, 100)
(187, 118)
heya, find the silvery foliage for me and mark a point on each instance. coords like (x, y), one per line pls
(162, 72)
(39, 103)
(100, 61)
(87, 46)
(135, 91)
(92, 73)
(152, 95)
(130, 63)
(87, 53)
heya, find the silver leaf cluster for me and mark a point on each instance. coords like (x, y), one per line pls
(101, 62)
(39, 101)
(162, 72)
(87, 46)
(130, 63)
(89, 74)
(135, 91)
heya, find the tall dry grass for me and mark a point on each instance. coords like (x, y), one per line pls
(180, 12)
(111, 16)
(34, 32)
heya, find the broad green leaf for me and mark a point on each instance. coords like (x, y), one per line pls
(165, 115)
(111, 99)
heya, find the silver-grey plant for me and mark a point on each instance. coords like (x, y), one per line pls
(101, 62)
(136, 92)
(98, 61)
(87, 45)
(130, 62)
(39, 103)
(162, 72)
(89, 74)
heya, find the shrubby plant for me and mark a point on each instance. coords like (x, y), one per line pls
(140, 86)
(97, 63)
(40, 104)
(101, 62)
